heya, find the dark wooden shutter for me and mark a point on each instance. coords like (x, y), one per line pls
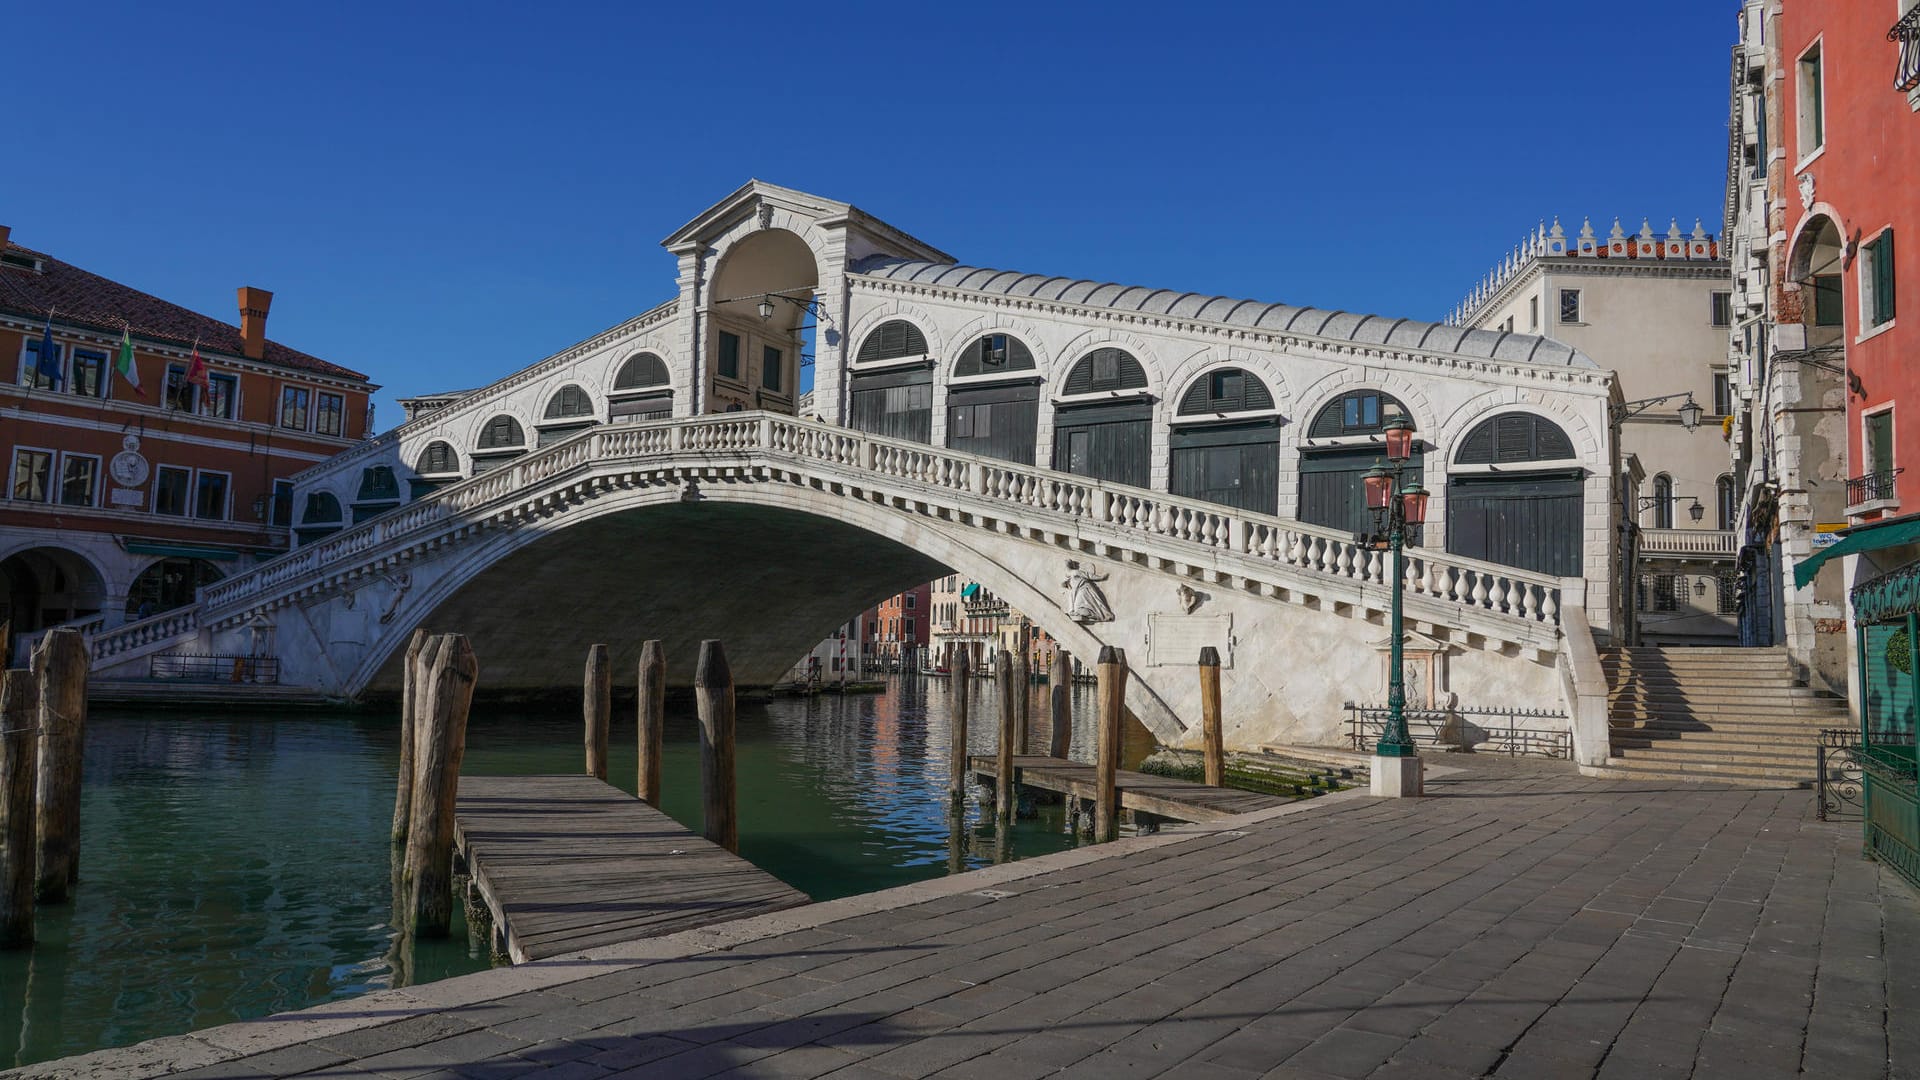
(1106, 369)
(1514, 437)
(640, 371)
(1226, 390)
(1531, 522)
(1105, 442)
(570, 402)
(892, 340)
(502, 431)
(981, 358)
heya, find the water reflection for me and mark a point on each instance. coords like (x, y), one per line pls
(236, 866)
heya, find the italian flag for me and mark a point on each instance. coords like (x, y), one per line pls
(124, 364)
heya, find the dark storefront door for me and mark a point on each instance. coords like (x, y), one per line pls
(1105, 442)
(1231, 464)
(898, 404)
(1533, 522)
(998, 421)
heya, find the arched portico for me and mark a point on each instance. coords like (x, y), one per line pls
(759, 322)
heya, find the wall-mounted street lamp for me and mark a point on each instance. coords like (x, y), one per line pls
(1697, 511)
(1398, 504)
(1690, 413)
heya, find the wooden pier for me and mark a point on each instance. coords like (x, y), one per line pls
(566, 863)
(1181, 800)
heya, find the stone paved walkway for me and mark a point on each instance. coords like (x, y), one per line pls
(1522, 922)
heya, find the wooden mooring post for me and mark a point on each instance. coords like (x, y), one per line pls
(1060, 704)
(1112, 674)
(409, 724)
(446, 677)
(713, 698)
(961, 684)
(1212, 746)
(653, 712)
(60, 667)
(1010, 690)
(1022, 702)
(19, 739)
(596, 709)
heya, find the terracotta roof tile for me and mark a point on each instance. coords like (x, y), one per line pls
(76, 297)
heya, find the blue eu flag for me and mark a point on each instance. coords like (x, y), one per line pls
(49, 362)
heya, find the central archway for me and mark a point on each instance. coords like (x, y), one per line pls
(758, 323)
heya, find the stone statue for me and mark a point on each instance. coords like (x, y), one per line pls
(1189, 600)
(1085, 602)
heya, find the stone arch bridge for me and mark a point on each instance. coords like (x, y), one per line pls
(765, 530)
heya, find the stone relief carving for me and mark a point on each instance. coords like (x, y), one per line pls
(1085, 602)
(1806, 190)
(401, 582)
(1189, 600)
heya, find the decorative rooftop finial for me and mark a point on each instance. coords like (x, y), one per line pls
(1646, 229)
(1557, 230)
(1586, 228)
(1618, 233)
(1673, 229)
(1698, 232)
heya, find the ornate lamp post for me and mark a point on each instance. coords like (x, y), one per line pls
(1398, 504)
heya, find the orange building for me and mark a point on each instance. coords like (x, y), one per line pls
(124, 495)
(897, 629)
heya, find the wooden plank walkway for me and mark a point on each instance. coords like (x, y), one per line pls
(1181, 800)
(566, 863)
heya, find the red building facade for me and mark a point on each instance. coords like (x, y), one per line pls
(124, 495)
(898, 628)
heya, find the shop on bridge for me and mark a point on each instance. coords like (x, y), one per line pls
(1515, 495)
(1225, 443)
(993, 400)
(1103, 420)
(890, 384)
(1344, 440)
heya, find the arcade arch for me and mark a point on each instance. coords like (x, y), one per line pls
(993, 399)
(1515, 495)
(1225, 443)
(1103, 419)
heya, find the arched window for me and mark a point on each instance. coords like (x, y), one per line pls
(1356, 412)
(379, 492)
(502, 433)
(641, 371)
(993, 354)
(438, 459)
(1333, 475)
(1512, 438)
(1104, 370)
(892, 340)
(1662, 502)
(1726, 508)
(571, 403)
(1224, 390)
(1531, 511)
(322, 508)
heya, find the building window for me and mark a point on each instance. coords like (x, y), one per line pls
(1722, 309)
(293, 407)
(32, 475)
(1722, 394)
(1569, 305)
(729, 355)
(1876, 280)
(909, 601)
(1666, 590)
(1663, 501)
(770, 368)
(89, 372)
(438, 459)
(1533, 313)
(330, 415)
(1727, 593)
(1812, 116)
(79, 479)
(179, 393)
(170, 487)
(210, 496)
(1879, 443)
(30, 373)
(282, 516)
(223, 396)
(502, 432)
(1725, 504)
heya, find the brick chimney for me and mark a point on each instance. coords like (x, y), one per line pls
(6, 232)
(253, 321)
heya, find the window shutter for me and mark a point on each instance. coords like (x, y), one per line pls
(892, 340)
(641, 371)
(1883, 278)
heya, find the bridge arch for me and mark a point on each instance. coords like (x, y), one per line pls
(624, 560)
(765, 283)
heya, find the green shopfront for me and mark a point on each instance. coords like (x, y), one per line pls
(1886, 613)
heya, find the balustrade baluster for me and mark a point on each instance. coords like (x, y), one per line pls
(1479, 588)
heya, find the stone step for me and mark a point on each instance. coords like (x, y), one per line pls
(1677, 725)
(1777, 715)
(1723, 739)
(1794, 761)
(1725, 694)
(1619, 769)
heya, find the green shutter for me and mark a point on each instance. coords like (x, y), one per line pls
(1883, 278)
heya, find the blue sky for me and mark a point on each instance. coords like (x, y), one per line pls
(438, 196)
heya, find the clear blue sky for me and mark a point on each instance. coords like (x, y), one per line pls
(438, 198)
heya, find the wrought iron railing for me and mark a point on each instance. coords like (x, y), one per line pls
(1872, 487)
(1906, 75)
(1502, 730)
(1837, 776)
(188, 667)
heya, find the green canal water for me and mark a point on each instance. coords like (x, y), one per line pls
(234, 866)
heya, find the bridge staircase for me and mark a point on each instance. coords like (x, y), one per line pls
(1287, 561)
(1736, 715)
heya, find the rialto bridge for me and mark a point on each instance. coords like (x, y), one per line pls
(652, 481)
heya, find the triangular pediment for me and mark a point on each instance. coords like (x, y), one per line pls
(1412, 641)
(755, 197)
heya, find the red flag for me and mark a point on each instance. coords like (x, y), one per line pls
(197, 374)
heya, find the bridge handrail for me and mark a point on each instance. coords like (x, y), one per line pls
(1464, 582)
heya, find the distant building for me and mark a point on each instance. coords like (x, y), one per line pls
(839, 658)
(125, 495)
(898, 629)
(1655, 308)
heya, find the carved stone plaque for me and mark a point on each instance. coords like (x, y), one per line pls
(1176, 640)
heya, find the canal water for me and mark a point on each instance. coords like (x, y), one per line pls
(234, 866)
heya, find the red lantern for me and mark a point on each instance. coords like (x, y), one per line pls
(1379, 487)
(1413, 504)
(1399, 432)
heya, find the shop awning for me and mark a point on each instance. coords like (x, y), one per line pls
(970, 590)
(180, 551)
(1858, 540)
